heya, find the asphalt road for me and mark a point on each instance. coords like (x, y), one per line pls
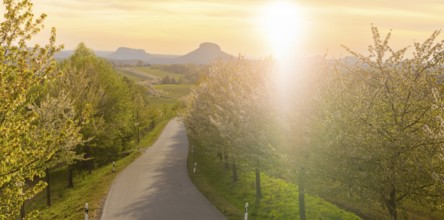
(156, 185)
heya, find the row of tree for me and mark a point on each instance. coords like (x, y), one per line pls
(230, 114)
(78, 112)
(368, 128)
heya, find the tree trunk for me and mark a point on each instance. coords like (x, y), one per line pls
(22, 211)
(234, 172)
(219, 155)
(88, 160)
(70, 179)
(392, 205)
(258, 183)
(48, 188)
(138, 136)
(301, 187)
(227, 164)
(152, 125)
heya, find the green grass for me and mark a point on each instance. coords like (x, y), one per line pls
(408, 209)
(279, 201)
(68, 203)
(172, 94)
(160, 73)
(175, 91)
(135, 76)
(413, 210)
(147, 74)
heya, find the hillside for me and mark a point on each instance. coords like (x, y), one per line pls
(125, 53)
(207, 53)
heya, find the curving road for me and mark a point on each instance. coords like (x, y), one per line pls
(156, 185)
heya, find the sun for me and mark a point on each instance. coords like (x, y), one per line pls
(282, 24)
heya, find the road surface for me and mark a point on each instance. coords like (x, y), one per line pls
(156, 185)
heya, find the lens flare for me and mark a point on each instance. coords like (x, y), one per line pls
(282, 23)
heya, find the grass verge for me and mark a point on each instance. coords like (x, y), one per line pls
(279, 201)
(68, 203)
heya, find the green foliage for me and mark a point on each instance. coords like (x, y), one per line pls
(232, 113)
(68, 203)
(104, 102)
(56, 116)
(51, 117)
(384, 116)
(234, 105)
(372, 130)
(32, 133)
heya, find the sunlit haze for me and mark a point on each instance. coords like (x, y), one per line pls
(177, 27)
(282, 24)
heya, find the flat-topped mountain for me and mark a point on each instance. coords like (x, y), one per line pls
(125, 53)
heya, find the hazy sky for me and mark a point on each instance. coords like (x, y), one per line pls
(179, 26)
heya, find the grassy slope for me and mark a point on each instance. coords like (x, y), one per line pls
(175, 91)
(147, 74)
(135, 76)
(159, 73)
(69, 203)
(172, 94)
(280, 199)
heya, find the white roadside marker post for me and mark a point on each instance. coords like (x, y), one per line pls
(86, 211)
(195, 167)
(246, 211)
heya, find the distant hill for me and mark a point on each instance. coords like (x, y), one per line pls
(207, 53)
(63, 54)
(125, 53)
(67, 53)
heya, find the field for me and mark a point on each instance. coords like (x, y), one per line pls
(148, 75)
(138, 77)
(159, 73)
(171, 94)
